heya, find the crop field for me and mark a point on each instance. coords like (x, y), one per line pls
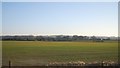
(36, 53)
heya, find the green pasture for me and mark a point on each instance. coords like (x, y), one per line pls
(39, 53)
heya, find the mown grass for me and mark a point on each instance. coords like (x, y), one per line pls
(25, 53)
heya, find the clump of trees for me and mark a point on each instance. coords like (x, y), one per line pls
(54, 38)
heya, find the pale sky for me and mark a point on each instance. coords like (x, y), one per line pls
(0, 18)
(61, 18)
(59, 0)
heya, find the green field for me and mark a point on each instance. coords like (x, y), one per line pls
(40, 53)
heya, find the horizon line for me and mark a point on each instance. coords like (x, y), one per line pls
(53, 35)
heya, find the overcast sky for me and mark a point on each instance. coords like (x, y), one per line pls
(69, 18)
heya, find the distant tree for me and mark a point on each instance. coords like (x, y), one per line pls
(93, 38)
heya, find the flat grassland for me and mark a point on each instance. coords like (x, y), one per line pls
(25, 53)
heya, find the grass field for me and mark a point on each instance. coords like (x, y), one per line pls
(0, 53)
(25, 53)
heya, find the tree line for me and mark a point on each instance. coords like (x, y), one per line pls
(53, 38)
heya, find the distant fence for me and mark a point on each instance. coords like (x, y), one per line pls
(62, 67)
(79, 64)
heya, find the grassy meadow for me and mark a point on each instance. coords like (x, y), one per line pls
(30, 53)
(0, 53)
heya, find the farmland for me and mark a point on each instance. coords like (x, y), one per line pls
(35, 53)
